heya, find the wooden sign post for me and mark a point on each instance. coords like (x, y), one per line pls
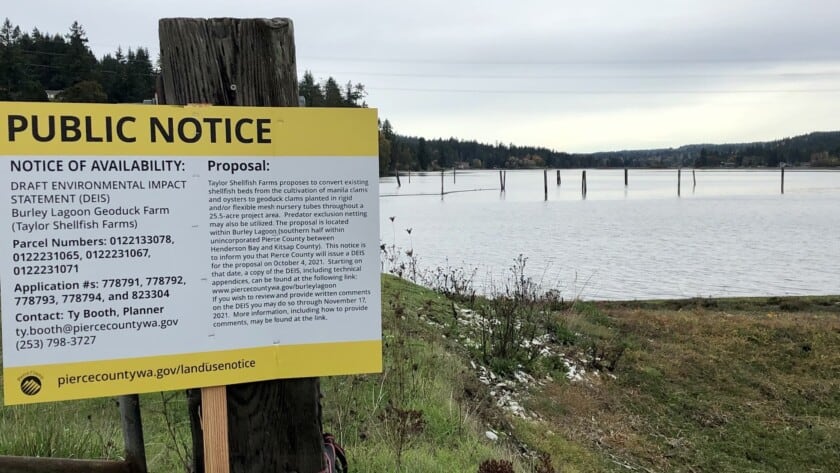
(272, 425)
(215, 427)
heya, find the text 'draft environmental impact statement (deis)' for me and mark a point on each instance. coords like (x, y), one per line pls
(152, 248)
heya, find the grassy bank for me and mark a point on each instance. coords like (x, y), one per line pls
(705, 385)
(695, 385)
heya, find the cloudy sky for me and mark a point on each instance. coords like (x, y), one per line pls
(572, 75)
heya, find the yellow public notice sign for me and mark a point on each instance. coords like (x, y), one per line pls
(150, 248)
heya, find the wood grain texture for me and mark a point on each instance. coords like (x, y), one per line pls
(214, 423)
(284, 424)
(228, 61)
(132, 427)
(273, 426)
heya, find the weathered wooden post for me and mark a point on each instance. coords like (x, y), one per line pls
(453, 175)
(558, 178)
(441, 182)
(545, 183)
(625, 177)
(583, 183)
(398, 177)
(783, 178)
(679, 181)
(132, 427)
(273, 425)
(60, 465)
(409, 175)
(693, 178)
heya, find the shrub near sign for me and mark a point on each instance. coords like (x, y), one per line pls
(156, 248)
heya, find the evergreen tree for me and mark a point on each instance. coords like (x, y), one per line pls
(16, 80)
(139, 77)
(79, 62)
(387, 130)
(384, 148)
(311, 91)
(110, 68)
(47, 55)
(422, 155)
(392, 154)
(332, 94)
(329, 94)
(127, 78)
(353, 95)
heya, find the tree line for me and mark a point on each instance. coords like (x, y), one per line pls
(401, 152)
(34, 65)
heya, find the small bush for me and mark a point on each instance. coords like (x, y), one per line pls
(563, 335)
(516, 317)
(605, 354)
(544, 464)
(792, 305)
(496, 466)
(554, 365)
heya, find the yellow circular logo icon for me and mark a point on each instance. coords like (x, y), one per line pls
(30, 385)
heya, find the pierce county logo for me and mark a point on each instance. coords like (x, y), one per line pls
(30, 385)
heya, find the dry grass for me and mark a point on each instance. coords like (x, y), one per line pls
(741, 385)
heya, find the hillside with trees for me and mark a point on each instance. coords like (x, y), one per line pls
(38, 66)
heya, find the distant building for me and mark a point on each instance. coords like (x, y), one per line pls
(52, 95)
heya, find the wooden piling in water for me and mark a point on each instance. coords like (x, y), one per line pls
(679, 181)
(398, 178)
(558, 178)
(409, 175)
(783, 180)
(545, 183)
(441, 182)
(625, 177)
(501, 182)
(583, 183)
(453, 175)
(693, 178)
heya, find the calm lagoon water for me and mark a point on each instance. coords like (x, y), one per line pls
(733, 234)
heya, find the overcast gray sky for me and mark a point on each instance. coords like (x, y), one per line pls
(572, 75)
